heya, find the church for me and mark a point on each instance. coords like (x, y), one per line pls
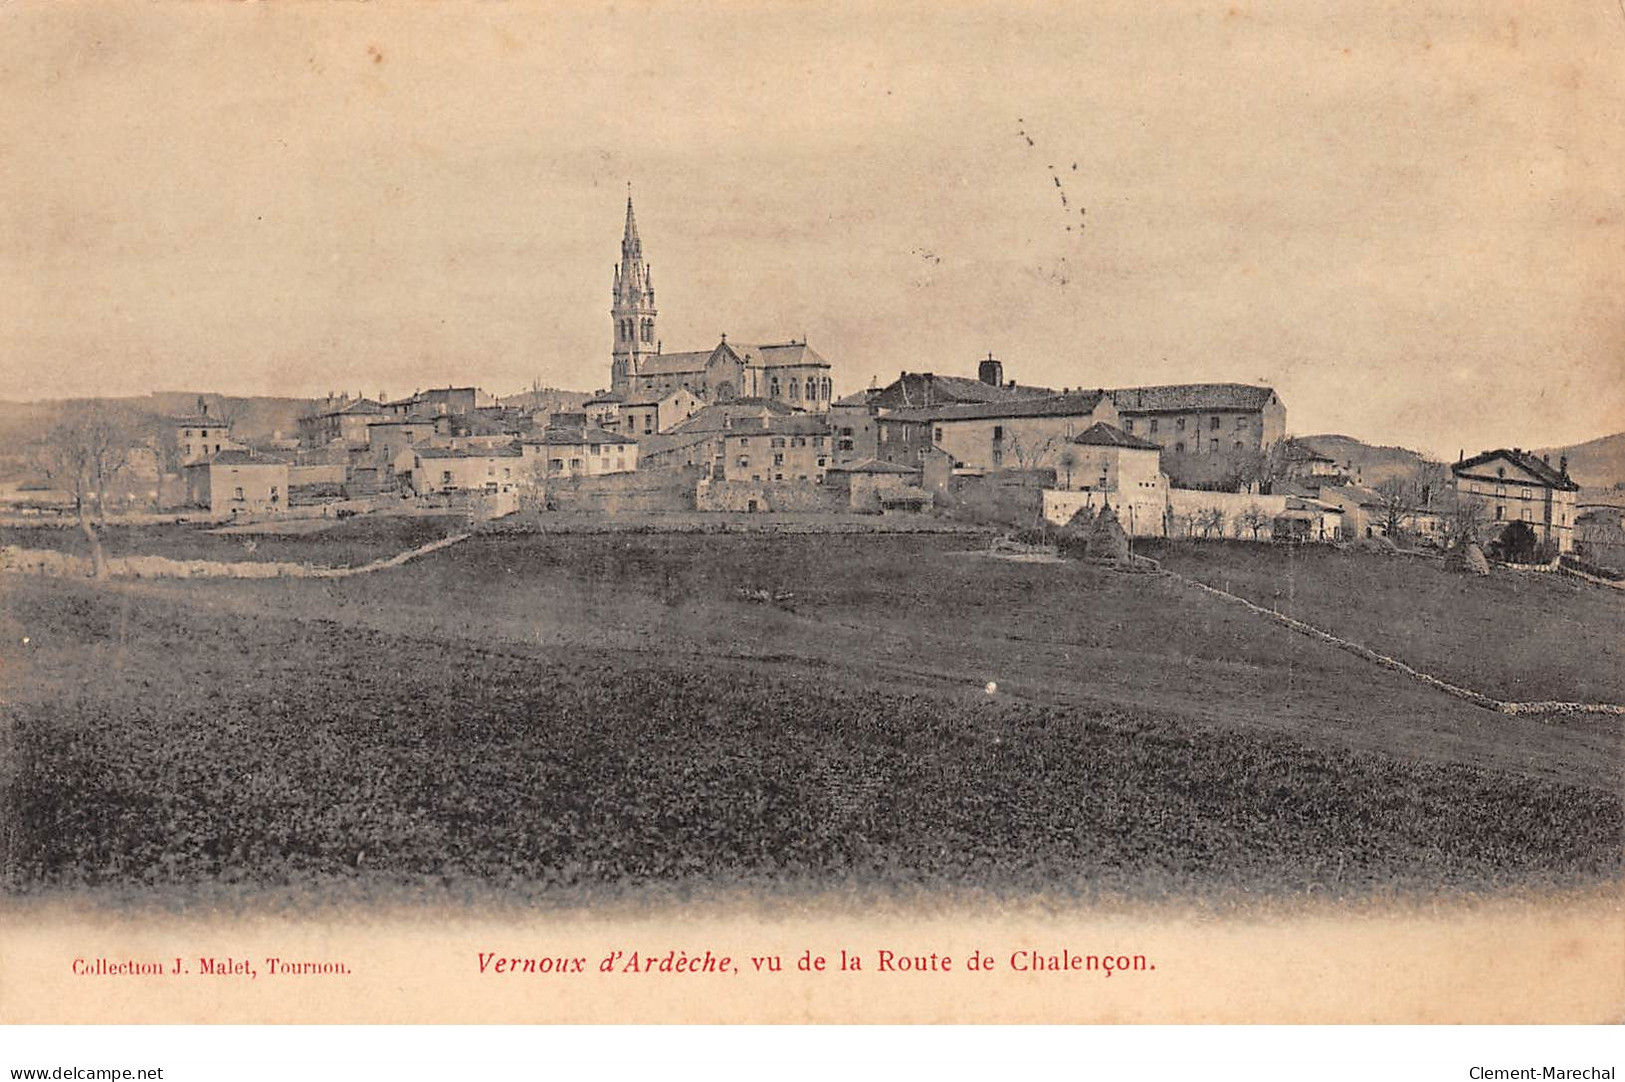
(791, 372)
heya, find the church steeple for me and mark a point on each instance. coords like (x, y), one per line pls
(633, 307)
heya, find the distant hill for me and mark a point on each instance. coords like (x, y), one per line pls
(547, 400)
(1370, 463)
(1596, 463)
(26, 423)
(22, 423)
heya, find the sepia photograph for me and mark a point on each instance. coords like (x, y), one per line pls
(812, 513)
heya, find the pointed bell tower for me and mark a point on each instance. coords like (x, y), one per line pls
(633, 308)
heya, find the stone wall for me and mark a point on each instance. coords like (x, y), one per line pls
(761, 496)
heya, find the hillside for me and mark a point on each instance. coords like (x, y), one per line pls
(1370, 463)
(22, 423)
(1598, 463)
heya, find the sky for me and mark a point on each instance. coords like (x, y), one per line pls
(1408, 219)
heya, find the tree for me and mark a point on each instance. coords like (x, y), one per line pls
(1264, 468)
(1461, 520)
(1030, 454)
(1210, 521)
(1396, 499)
(1253, 518)
(83, 452)
(1517, 544)
(1069, 462)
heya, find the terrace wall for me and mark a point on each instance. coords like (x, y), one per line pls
(769, 496)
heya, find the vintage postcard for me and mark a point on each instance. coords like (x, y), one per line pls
(775, 512)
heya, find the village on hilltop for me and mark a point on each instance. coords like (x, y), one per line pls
(759, 428)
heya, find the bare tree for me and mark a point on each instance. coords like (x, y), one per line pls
(1210, 521)
(1253, 518)
(82, 454)
(1396, 499)
(1069, 462)
(1030, 454)
(1265, 467)
(1461, 520)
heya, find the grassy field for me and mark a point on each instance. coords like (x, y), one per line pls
(1515, 635)
(568, 718)
(338, 543)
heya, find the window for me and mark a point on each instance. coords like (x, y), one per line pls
(1179, 448)
(1500, 471)
(1128, 426)
(1213, 444)
(744, 462)
(818, 441)
(774, 387)
(998, 433)
(778, 460)
(445, 477)
(821, 461)
(795, 389)
(1153, 426)
(1241, 424)
(1179, 425)
(189, 448)
(744, 441)
(1213, 423)
(595, 448)
(575, 463)
(1238, 445)
(777, 441)
(274, 496)
(237, 494)
(798, 441)
(937, 435)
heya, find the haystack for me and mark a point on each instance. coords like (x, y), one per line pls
(1468, 558)
(1107, 538)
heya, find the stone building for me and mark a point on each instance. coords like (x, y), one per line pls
(790, 371)
(1514, 485)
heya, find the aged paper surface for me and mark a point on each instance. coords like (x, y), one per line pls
(1407, 218)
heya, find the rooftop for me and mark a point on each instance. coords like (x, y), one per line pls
(1528, 461)
(1192, 396)
(1077, 404)
(1101, 434)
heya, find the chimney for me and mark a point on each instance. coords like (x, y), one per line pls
(1563, 465)
(990, 371)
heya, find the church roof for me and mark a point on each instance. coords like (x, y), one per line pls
(777, 355)
(674, 364)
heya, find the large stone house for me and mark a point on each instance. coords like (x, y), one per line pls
(1514, 485)
(1017, 433)
(238, 482)
(1210, 433)
(777, 448)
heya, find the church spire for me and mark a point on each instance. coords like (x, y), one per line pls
(633, 309)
